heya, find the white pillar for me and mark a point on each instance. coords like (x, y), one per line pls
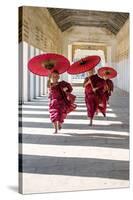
(70, 59)
(37, 78)
(44, 89)
(41, 86)
(41, 81)
(25, 71)
(31, 76)
(20, 72)
(45, 85)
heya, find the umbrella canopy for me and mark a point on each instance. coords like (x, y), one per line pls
(44, 64)
(84, 64)
(107, 72)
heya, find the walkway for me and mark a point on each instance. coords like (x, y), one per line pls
(79, 157)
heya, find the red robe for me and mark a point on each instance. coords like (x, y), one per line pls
(109, 87)
(60, 105)
(102, 100)
(105, 94)
(93, 99)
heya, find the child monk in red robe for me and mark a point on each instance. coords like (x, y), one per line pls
(61, 100)
(93, 85)
(108, 88)
(105, 94)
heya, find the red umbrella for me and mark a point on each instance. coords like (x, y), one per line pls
(44, 64)
(107, 72)
(84, 64)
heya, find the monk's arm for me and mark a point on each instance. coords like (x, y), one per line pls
(86, 82)
(49, 82)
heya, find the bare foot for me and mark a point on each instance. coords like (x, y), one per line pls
(90, 122)
(96, 112)
(59, 126)
(104, 114)
(55, 127)
(55, 131)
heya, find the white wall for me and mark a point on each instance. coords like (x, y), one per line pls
(123, 77)
(78, 34)
(121, 60)
(86, 34)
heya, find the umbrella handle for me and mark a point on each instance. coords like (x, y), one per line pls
(91, 84)
(106, 86)
(49, 81)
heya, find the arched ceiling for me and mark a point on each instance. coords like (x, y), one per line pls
(66, 18)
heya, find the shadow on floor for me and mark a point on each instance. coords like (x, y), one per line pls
(98, 140)
(72, 166)
(112, 127)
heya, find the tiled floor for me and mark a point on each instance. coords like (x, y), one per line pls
(79, 157)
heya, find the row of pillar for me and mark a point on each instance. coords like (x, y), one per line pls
(31, 86)
(123, 76)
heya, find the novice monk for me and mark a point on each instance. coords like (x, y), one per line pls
(102, 100)
(108, 88)
(105, 94)
(61, 100)
(93, 93)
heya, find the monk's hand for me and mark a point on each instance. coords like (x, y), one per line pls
(94, 89)
(65, 89)
(89, 81)
(49, 77)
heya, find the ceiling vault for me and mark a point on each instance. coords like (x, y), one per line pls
(66, 18)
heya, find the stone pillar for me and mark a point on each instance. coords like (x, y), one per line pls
(41, 81)
(20, 78)
(70, 59)
(41, 85)
(37, 78)
(31, 76)
(24, 72)
(45, 85)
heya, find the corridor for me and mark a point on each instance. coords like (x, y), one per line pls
(80, 157)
